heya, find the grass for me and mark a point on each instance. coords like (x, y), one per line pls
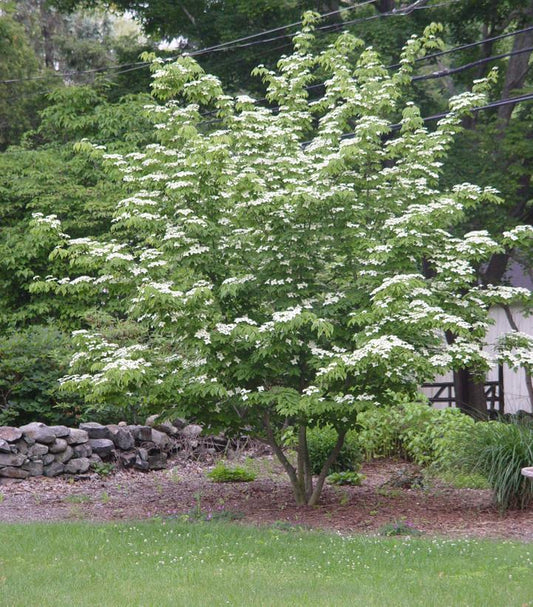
(176, 564)
(498, 451)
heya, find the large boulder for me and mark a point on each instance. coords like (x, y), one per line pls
(102, 446)
(58, 446)
(141, 461)
(37, 433)
(157, 461)
(65, 455)
(48, 459)
(127, 460)
(83, 450)
(11, 459)
(14, 473)
(191, 432)
(160, 439)
(5, 447)
(60, 431)
(121, 437)
(77, 437)
(35, 468)
(10, 434)
(141, 434)
(95, 430)
(54, 469)
(162, 426)
(37, 451)
(78, 465)
(20, 446)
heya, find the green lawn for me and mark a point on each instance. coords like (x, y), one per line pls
(170, 563)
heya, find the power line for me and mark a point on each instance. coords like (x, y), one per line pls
(231, 44)
(467, 66)
(463, 47)
(408, 10)
(224, 45)
(480, 108)
(488, 106)
(432, 76)
(402, 12)
(95, 70)
(219, 47)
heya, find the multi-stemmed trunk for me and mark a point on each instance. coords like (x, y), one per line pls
(306, 488)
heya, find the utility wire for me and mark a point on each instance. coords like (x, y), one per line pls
(467, 66)
(96, 70)
(408, 10)
(432, 76)
(403, 12)
(224, 45)
(217, 47)
(230, 45)
(480, 108)
(463, 47)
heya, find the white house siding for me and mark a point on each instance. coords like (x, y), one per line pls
(514, 382)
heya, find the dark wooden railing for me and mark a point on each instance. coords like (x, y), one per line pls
(494, 393)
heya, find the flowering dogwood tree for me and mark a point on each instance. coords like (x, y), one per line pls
(290, 267)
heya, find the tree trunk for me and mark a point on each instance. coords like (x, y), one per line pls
(49, 22)
(470, 394)
(517, 70)
(299, 495)
(386, 6)
(304, 464)
(469, 391)
(301, 476)
(313, 500)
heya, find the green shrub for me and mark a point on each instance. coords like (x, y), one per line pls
(223, 474)
(414, 431)
(498, 451)
(320, 443)
(345, 478)
(31, 362)
(379, 432)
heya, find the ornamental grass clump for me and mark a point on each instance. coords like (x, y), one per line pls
(499, 450)
(287, 266)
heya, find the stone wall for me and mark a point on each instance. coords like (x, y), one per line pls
(40, 450)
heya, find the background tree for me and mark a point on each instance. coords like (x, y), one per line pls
(50, 177)
(20, 100)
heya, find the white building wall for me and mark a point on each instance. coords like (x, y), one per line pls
(514, 382)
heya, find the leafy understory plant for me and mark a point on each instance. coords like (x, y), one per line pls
(288, 266)
(103, 469)
(346, 477)
(225, 474)
(399, 528)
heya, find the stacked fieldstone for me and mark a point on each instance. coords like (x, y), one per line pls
(40, 450)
